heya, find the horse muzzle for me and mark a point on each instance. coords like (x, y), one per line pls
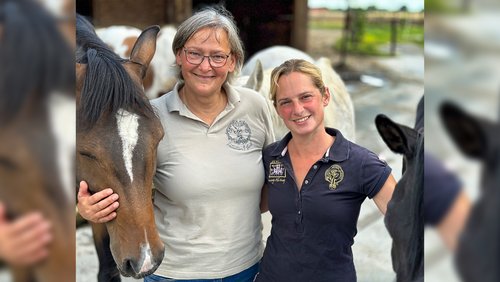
(146, 264)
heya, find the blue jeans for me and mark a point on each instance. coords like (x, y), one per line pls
(246, 275)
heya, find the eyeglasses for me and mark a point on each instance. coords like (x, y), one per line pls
(215, 61)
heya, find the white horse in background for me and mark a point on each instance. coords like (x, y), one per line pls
(339, 113)
(161, 76)
(272, 57)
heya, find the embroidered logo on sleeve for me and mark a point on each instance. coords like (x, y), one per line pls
(334, 175)
(277, 172)
(238, 135)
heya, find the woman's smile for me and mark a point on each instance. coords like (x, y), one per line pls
(302, 119)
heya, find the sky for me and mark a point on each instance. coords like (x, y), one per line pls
(391, 5)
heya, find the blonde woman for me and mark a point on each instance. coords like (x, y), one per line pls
(316, 181)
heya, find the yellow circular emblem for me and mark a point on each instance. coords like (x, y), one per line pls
(334, 175)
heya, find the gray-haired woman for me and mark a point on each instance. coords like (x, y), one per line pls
(209, 171)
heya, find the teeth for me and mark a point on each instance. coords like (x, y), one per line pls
(301, 119)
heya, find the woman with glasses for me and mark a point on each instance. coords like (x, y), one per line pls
(209, 172)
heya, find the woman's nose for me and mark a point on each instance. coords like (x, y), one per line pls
(297, 107)
(205, 64)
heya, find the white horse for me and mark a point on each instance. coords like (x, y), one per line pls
(339, 113)
(161, 76)
(273, 56)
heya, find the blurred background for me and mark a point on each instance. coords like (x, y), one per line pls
(377, 47)
(462, 55)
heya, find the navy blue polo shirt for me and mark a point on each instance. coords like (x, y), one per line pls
(441, 189)
(313, 229)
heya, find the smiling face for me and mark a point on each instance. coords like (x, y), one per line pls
(300, 104)
(203, 79)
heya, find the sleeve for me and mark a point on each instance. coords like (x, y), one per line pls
(374, 173)
(266, 160)
(441, 188)
(266, 116)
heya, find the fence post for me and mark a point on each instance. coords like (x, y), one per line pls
(394, 35)
(345, 37)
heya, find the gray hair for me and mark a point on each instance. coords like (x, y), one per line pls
(214, 18)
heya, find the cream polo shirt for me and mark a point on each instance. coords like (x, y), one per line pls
(208, 182)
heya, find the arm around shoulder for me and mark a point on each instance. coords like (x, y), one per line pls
(385, 194)
(264, 207)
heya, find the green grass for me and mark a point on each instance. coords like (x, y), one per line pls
(319, 24)
(377, 35)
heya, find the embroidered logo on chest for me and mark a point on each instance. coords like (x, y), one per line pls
(334, 175)
(238, 135)
(277, 172)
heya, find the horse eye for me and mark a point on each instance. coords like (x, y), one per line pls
(88, 155)
(8, 163)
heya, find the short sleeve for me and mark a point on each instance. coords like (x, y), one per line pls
(374, 174)
(441, 188)
(268, 125)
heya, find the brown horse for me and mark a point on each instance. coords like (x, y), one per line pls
(117, 136)
(37, 110)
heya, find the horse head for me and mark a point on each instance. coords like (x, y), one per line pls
(117, 136)
(404, 216)
(161, 76)
(36, 126)
(478, 250)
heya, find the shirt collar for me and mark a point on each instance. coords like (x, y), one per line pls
(338, 152)
(175, 104)
(173, 101)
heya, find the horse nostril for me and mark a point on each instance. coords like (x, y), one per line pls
(128, 266)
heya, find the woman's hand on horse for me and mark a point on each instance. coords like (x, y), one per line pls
(99, 207)
(24, 241)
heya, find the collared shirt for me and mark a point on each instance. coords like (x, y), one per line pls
(313, 229)
(208, 183)
(441, 189)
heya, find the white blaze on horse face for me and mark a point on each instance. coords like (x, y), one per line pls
(147, 262)
(56, 7)
(62, 118)
(128, 124)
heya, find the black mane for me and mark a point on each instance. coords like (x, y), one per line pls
(35, 58)
(107, 86)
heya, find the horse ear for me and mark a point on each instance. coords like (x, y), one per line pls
(467, 131)
(145, 48)
(399, 138)
(255, 80)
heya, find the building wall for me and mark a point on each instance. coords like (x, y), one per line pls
(262, 23)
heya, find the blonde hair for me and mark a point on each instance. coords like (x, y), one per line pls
(296, 65)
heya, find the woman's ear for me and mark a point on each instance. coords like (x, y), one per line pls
(326, 97)
(232, 63)
(178, 59)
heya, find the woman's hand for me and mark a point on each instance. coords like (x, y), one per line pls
(24, 241)
(99, 207)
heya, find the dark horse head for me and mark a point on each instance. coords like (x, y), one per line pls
(37, 110)
(404, 217)
(117, 136)
(478, 251)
